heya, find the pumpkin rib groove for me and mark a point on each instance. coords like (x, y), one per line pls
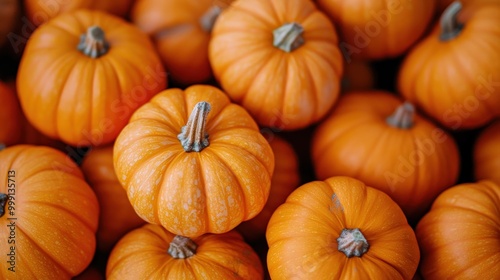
(111, 70)
(269, 61)
(204, 189)
(316, 102)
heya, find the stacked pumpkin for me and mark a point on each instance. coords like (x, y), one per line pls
(251, 139)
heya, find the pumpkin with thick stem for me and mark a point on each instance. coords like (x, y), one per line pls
(117, 217)
(93, 71)
(454, 73)
(194, 162)
(281, 63)
(375, 137)
(151, 252)
(378, 29)
(11, 117)
(51, 214)
(487, 153)
(41, 11)
(285, 179)
(181, 30)
(340, 229)
(460, 236)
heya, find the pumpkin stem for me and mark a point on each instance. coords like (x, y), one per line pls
(193, 135)
(3, 201)
(93, 44)
(403, 116)
(450, 27)
(208, 19)
(288, 37)
(182, 247)
(352, 243)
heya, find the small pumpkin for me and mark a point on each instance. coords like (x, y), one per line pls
(48, 212)
(278, 59)
(10, 14)
(487, 153)
(117, 217)
(340, 229)
(41, 11)
(194, 162)
(378, 29)
(379, 139)
(181, 30)
(151, 252)
(453, 73)
(459, 237)
(358, 75)
(11, 116)
(285, 179)
(93, 71)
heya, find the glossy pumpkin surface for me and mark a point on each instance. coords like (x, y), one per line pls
(55, 214)
(308, 235)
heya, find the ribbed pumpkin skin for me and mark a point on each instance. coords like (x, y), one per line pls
(142, 254)
(40, 11)
(378, 29)
(487, 153)
(456, 81)
(411, 165)
(11, 118)
(302, 234)
(287, 90)
(56, 211)
(460, 236)
(82, 100)
(192, 193)
(285, 179)
(117, 217)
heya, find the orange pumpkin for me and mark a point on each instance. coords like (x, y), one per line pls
(453, 73)
(340, 229)
(285, 179)
(378, 29)
(181, 30)
(48, 215)
(10, 13)
(93, 71)
(459, 236)
(117, 217)
(487, 153)
(11, 116)
(278, 59)
(151, 252)
(358, 75)
(194, 162)
(40, 11)
(376, 138)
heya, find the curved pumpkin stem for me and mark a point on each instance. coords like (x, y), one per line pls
(209, 17)
(288, 37)
(450, 27)
(193, 135)
(182, 247)
(3, 201)
(93, 44)
(352, 243)
(403, 117)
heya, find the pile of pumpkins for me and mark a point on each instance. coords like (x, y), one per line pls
(250, 139)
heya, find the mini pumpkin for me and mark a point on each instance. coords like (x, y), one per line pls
(194, 162)
(285, 179)
(340, 229)
(379, 139)
(41, 11)
(378, 29)
(181, 30)
(151, 252)
(453, 73)
(11, 116)
(278, 59)
(487, 153)
(48, 212)
(117, 217)
(93, 71)
(459, 237)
